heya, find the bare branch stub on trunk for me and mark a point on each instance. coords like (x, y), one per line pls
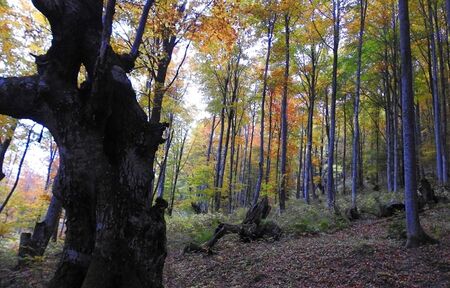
(252, 228)
(107, 147)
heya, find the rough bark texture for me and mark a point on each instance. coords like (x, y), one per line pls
(114, 237)
(252, 228)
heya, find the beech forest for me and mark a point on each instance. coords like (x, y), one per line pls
(224, 143)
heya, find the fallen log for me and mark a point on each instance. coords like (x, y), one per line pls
(388, 210)
(252, 228)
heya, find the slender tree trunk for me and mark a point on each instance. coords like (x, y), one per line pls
(217, 192)
(270, 27)
(211, 137)
(4, 145)
(418, 129)
(244, 166)
(336, 157)
(249, 174)
(177, 169)
(19, 170)
(269, 144)
(53, 151)
(395, 101)
(308, 179)
(160, 184)
(344, 156)
(355, 150)
(284, 118)
(389, 149)
(443, 95)
(440, 154)
(300, 164)
(231, 172)
(331, 137)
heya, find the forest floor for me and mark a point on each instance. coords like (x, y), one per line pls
(361, 255)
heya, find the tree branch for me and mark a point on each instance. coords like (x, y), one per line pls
(49, 8)
(19, 98)
(140, 31)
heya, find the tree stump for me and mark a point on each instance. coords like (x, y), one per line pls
(426, 194)
(252, 228)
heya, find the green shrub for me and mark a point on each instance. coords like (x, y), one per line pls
(397, 228)
(300, 218)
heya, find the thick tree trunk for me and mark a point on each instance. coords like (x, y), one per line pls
(107, 148)
(416, 235)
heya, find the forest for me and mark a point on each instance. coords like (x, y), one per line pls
(224, 143)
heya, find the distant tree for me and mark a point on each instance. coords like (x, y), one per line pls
(356, 134)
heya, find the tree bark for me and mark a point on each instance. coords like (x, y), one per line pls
(160, 184)
(307, 178)
(284, 117)
(211, 137)
(440, 153)
(415, 234)
(270, 28)
(4, 145)
(356, 140)
(332, 132)
(300, 164)
(107, 148)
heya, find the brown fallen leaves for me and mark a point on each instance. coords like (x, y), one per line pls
(359, 256)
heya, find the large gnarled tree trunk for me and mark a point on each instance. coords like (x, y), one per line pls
(107, 148)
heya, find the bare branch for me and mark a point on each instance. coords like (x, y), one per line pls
(179, 66)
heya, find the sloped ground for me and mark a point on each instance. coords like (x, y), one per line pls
(359, 256)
